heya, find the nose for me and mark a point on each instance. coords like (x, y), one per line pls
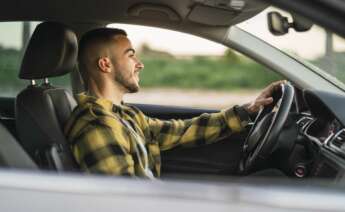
(140, 65)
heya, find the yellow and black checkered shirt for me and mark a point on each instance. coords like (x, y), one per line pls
(104, 137)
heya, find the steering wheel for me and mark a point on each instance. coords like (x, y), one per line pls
(264, 133)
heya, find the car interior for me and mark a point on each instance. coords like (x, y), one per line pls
(45, 143)
(301, 133)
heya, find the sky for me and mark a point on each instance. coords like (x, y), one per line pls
(308, 45)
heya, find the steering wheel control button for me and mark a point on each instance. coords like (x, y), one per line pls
(300, 171)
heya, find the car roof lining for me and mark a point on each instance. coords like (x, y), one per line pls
(108, 11)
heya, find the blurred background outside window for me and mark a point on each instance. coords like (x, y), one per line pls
(185, 70)
(14, 37)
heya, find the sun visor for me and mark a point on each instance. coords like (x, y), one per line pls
(224, 12)
(154, 12)
(209, 15)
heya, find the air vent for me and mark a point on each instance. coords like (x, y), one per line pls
(304, 122)
(338, 139)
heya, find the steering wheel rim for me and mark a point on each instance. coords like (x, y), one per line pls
(259, 146)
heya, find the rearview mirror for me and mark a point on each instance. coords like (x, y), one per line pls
(279, 25)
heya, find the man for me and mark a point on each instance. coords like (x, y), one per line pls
(110, 137)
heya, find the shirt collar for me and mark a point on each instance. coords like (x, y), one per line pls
(83, 98)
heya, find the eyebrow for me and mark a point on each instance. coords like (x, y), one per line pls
(129, 50)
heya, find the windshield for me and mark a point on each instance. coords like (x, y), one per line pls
(319, 49)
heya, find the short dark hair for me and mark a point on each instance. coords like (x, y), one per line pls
(95, 36)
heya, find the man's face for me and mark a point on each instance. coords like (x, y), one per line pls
(126, 65)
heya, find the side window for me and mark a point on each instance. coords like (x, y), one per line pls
(186, 70)
(13, 39)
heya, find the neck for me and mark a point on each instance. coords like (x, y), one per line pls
(106, 90)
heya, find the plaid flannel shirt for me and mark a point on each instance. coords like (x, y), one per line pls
(104, 137)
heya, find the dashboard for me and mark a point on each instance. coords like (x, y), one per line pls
(323, 132)
(320, 129)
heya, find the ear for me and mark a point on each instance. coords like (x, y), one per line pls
(104, 64)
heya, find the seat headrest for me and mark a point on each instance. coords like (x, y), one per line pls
(52, 51)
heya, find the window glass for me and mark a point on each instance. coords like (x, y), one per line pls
(13, 39)
(318, 48)
(186, 70)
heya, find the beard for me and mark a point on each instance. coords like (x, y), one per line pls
(131, 87)
(121, 79)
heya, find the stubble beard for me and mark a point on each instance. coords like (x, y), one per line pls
(130, 87)
(121, 79)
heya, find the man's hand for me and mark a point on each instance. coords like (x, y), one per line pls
(265, 98)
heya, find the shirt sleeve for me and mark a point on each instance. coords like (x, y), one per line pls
(99, 150)
(207, 128)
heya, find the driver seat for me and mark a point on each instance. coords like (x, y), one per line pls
(42, 110)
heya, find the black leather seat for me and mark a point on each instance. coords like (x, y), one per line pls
(42, 110)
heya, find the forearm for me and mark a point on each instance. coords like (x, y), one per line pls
(204, 129)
